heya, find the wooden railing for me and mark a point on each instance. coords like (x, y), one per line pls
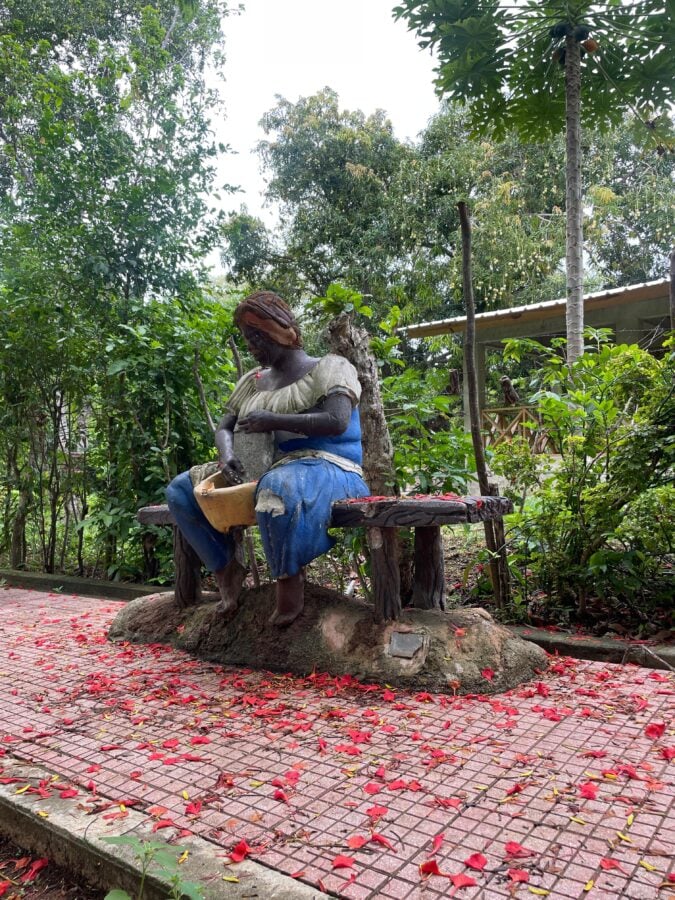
(504, 423)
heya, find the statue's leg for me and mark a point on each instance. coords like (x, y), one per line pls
(215, 549)
(290, 593)
(230, 579)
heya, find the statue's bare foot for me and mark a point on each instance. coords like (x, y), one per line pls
(230, 581)
(290, 600)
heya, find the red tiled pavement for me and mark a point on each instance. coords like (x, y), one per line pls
(289, 764)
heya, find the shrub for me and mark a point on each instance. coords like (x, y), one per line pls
(600, 522)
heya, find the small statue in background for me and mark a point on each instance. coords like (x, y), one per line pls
(511, 396)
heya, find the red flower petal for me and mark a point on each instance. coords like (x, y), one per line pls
(462, 880)
(376, 812)
(588, 790)
(430, 867)
(356, 841)
(239, 852)
(343, 862)
(518, 875)
(35, 867)
(381, 839)
(608, 864)
(517, 851)
(655, 730)
(437, 841)
(488, 674)
(69, 792)
(476, 861)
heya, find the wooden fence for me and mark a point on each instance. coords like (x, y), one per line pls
(504, 423)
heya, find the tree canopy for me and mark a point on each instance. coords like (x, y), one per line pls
(395, 235)
(504, 60)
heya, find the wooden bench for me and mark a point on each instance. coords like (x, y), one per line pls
(381, 518)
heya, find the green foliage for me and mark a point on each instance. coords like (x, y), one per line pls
(431, 452)
(105, 159)
(600, 524)
(160, 859)
(340, 299)
(503, 59)
(396, 238)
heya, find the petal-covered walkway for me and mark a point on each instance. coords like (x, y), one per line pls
(561, 788)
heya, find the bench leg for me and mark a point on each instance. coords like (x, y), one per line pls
(188, 568)
(429, 577)
(384, 572)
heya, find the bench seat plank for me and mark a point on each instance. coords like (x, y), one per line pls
(403, 512)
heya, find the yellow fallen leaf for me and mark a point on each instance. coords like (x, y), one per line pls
(481, 787)
(256, 784)
(43, 814)
(610, 776)
(184, 855)
(648, 866)
(630, 819)
(589, 885)
(539, 891)
(624, 837)
(22, 790)
(578, 820)
(122, 807)
(231, 878)
(186, 796)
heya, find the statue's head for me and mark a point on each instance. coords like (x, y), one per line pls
(266, 313)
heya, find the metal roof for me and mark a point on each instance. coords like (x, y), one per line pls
(648, 290)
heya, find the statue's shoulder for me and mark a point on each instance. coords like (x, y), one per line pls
(335, 374)
(243, 389)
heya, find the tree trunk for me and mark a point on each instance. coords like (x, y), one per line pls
(575, 233)
(378, 453)
(672, 289)
(497, 577)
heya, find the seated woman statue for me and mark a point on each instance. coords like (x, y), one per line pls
(309, 407)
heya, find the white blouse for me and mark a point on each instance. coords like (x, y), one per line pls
(332, 374)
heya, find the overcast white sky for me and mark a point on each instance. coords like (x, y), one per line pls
(295, 48)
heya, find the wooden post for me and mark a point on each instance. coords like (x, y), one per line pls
(385, 576)
(429, 583)
(187, 566)
(472, 393)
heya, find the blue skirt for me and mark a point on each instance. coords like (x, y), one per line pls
(293, 510)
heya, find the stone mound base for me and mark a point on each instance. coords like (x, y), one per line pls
(462, 651)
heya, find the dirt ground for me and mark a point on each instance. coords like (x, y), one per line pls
(42, 882)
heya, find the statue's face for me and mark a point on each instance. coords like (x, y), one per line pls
(261, 346)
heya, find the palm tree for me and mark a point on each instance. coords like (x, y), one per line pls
(523, 65)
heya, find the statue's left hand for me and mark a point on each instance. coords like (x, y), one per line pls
(258, 421)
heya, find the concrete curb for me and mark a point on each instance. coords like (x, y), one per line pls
(600, 649)
(71, 584)
(58, 829)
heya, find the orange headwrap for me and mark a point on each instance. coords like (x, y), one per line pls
(267, 312)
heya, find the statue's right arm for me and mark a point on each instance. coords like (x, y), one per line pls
(230, 466)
